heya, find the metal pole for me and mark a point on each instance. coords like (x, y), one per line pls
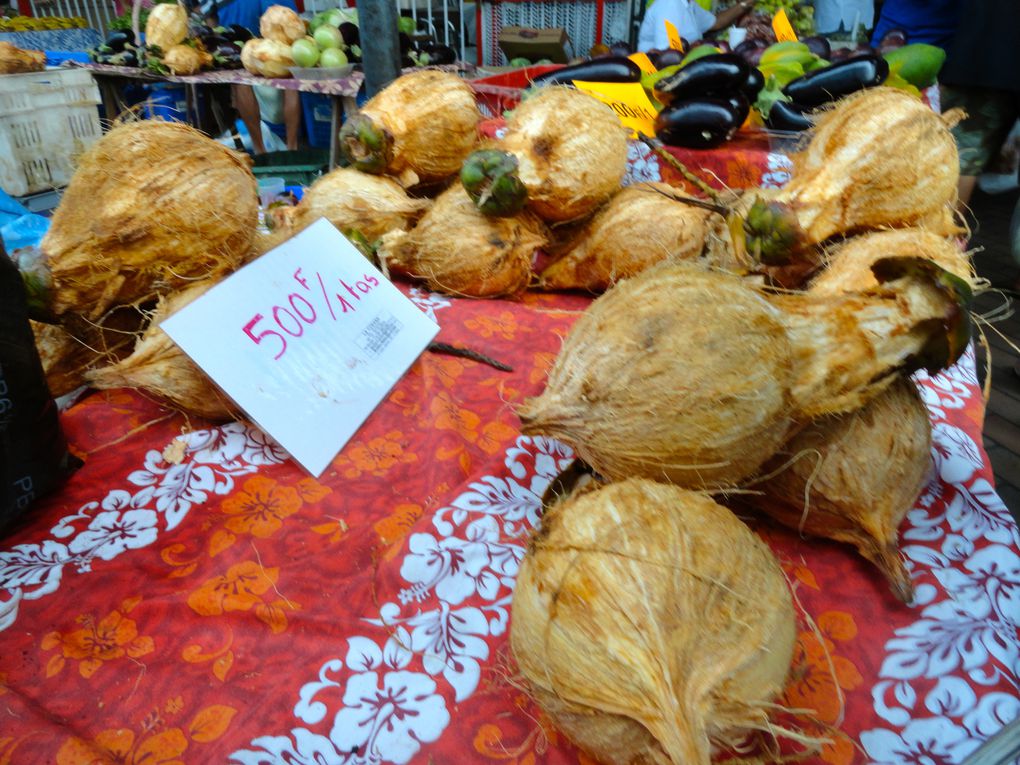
(380, 47)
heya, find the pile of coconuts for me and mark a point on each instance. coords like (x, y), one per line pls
(649, 622)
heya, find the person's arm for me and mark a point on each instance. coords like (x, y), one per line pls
(731, 15)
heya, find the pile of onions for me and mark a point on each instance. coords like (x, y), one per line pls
(878, 159)
(854, 477)
(152, 206)
(419, 128)
(372, 205)
(571, 151)
(638, 228)
(697, 377)
(651, 625)
(159, 367)
(458, 250)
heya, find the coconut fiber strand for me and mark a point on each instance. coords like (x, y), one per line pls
(650, 624)
(854, 477)
(152, 206)
(571, 152)
(458, 250)
(159, 367)
(697, 377)
(637, 228)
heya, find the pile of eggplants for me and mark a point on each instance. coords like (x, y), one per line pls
(706, 101)
(823, 86)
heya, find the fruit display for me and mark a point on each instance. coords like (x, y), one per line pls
(41, 23)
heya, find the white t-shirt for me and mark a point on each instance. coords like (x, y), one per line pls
(690, 19)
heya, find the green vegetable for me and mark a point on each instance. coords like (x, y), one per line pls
(519, 61)
(697, 52)
(787, 52)
(917, 63)
(490, 178)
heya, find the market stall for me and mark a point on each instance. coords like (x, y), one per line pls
(192, 594)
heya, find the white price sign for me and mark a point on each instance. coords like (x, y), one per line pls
(307, 340)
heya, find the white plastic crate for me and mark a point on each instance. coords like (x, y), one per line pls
(587, 22)
(46, 120)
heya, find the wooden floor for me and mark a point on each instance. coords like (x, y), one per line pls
(1002, 420)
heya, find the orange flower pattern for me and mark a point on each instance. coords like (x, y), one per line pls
(97, 642)
(375, 456)
(502, 325)
(240, 589)
(260, 507)
(820, 674)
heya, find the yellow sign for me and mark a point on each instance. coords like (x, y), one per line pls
(642, 60)
(627, 99)
(782, 27)
(675, 41)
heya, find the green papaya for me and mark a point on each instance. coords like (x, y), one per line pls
(697, 52)
(917, 63)
(787, 52)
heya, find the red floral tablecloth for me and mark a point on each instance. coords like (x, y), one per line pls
(193, 597)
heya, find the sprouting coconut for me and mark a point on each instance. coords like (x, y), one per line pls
(159, 367)
(878, 159)
(697, 377)
(419, 128)
(458, 250)
(569, 152)
(153, 206)
(651, 625)
(638, 228)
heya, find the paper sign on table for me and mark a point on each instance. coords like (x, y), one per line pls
(628, 99)
(782, 27)
(307, 340)
(645, 63)
(676, 42)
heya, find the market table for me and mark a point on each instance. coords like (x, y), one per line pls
(193, 596)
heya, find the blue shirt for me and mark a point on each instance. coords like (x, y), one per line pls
(246, 13)
(924, 21)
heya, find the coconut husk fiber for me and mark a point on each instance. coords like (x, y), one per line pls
(848, 264)
(433, 119)
(152, 207)
(651, 625)
(879, 158)
(159, 367)
(697, 377)
(569, 172)
(15, 60)
(636, 229)
(458, 250)
(854, 477)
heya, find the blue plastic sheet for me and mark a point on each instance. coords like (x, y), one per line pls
(19, 227)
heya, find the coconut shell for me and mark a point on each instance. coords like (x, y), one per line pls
(166, 26)
(281, 24)
(458, 250)
(571, 150)
(351, 200)
(848, 265)
(677, 374)
(159, 367)
(267, 58)
(15, 60)
(853, 478)
(152, 206)
(879, 158)
(651, 625)
(636, 229)
(433, 119)
(697, 377)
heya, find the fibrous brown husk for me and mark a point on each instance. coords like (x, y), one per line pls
(68, 352)
(879, 158)
(159, 367)
(15, 60)
(281, 24)
(267, 58)
(152, 206)
(697, 378)
(568, 172)
(185, 60)
(167, 25)
(458, 250)
(638, 228)
(848, 265)
(651, 625)
(351, 200)
(433, 119)
(854, 477)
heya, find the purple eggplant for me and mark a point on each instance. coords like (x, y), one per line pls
(823, 86)
(604, 69)
(819, 46)
(717, 74)
(351, 34)
(699, 123)
(788, 116)
(619, 49)
(753, 84)
(663, 58)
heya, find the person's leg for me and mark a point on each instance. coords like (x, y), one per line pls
(248, 109)
(990, 116)
(292, 117)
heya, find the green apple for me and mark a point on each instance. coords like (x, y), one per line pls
(304, 52)
(327, 36)
(332, 57)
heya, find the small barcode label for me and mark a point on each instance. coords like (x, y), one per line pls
(377, 335)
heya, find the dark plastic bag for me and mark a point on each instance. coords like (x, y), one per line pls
(33, 453)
